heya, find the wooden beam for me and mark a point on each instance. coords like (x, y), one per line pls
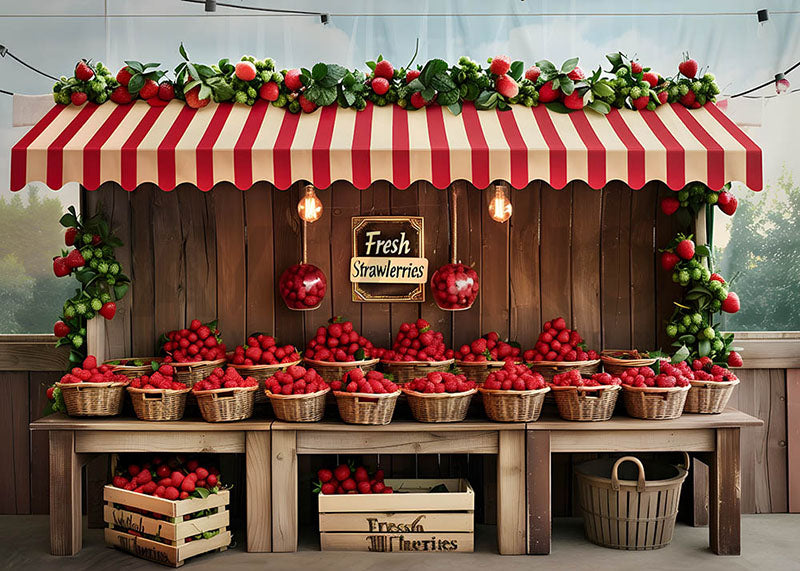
(416, 442)
(32, 353)
(99, 441)
(259, 500)
(511, 516)
(284, 491)
(725, 491)
(793, 437)
(66, 523)
(539, 500)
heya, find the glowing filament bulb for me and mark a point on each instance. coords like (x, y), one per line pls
(500, 206)
(310, 206)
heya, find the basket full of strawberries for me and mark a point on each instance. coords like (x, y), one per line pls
(513, 393)
(484, 355)
(559, 349)
(158, 396)
(712, 387)
(261, 357)
(440, 396)
(225, 396)
(337, 348)
(90, 390)
(586, 398)
(615, 361)
(417, 350)
(297, 394)
(194, 352)
(365, 398)
(133, 367)
(656, 396)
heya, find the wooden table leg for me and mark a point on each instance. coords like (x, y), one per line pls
(511, 524)
(284, 491)
(538, 484)
(97, 477)
(257, 466)
(66, 521)
(725, 491)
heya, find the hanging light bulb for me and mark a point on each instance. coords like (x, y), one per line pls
(310, 206)
(500, 206)
(781, 84)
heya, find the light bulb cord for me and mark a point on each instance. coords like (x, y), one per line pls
(453, 225)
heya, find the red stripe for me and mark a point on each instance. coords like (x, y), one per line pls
(636, 169)
(128, 150)
(595, 151)
(321, 149)
(91, 152)
(519, 150)
(243, 149)
(556, 148)
(282, 151)
(165, 154)
(753, 167)
(55, 152)
(362, 135)
(440, 151)
(477, 141)
(676, 156)
(19, 152)
(715, 154)
(401, 157)
(205, 148)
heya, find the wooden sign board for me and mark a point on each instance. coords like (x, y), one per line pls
(388, 263)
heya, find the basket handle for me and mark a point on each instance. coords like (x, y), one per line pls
(615, 476)
(686, 461)
(147, 395)
(372, 401)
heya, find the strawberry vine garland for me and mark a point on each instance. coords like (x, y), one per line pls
(688, 202)
(99, 274)
(564, 88)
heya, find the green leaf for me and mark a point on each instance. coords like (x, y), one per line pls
(348, 80)
(455, 108)
(602, 89)
(615, 59)
(486, 100)
(182, 51)
(205, 71)
(150, 65)
(135, 84)
(319, 71)
(371, 65)
(68, 221)
(120, 290)
(447, 98)
(681, 354)
(558, 107)
(569, 65)
(359, 355)
(600, 107)
(702, 250)
(201, 493)
(428, 93)
(556, 83)
(321, 95)
(567, 85)
(349, 98)
(336, 72)
(546, 67)
(205, 91)
(516, 70)
(135, 66)
(442, 82)
(704, 348)
(85, 275)
(432, 68)
(221, 88)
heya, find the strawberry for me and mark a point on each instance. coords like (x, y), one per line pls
(573, 101)
(547, 93)
(269, 91)
(731, 303)
(500, 65)
(636, 67)
(734, 359)
(69, 235)
(662, 96)
(83, 71)
(532, 73)
(193, 98)
(641, 102)
(727, 203)
(361, 474)
(380, 85)
(166, 91)
(75, 259)
(328, 488)
(78, 97)
(325, 475)
(455, 286)
(670, 205)
(60, 267)
(688, 100)
(576, 74)
(245, 71)
(384, 69)
(506, 86)
(306, 105)
(411, 75)
(669, 260)
(342, 472)
(108, 310)
(651, 78)
(685, 249)
(717, 278)
(124, 76)
(60, 329)
(417, 100)
(559, 323)
(349, 484)
(364, 487)
(121, 95)
(90, 362)
(171, 493)
(292, 80)
(688, 68)
(149, 89)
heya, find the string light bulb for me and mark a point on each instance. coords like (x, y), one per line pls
(781, 84)
(310, 206)
(500, 206)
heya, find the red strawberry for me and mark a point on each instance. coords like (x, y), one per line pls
(69, 236)
(149, 89)
(380, 85)
(641, 102)
(411, 75)
(60, 329)
(245, 70)
(342, 472)
(731, 303)
(688, 68)
(364, 487)
(717, 278)
(292, 80)
(547, 93)
(636, 67)
(506, 86)
(193, 98)
(688, 99)
(669, 260)
(576, 74)
(685, 249)
(75, 259)
(500, 65)
(728, 203)
(60, 267)
(83, 71)
(361, 474)
(384, 69)
(108, 310)
(734, 359)
(532, 73)
(269, 91)
(325, 475)
(121, 95)
(417, 100)
(306, 105)
(651, 78)
(124, 76)
(328, 488)
(559, 323)
(662, 97)
(573, 101)
(78, 97)
(669, 205)
(166, 91)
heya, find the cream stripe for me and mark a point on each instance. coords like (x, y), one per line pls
(147, 152)
(223, 148)
(458, 143)
(735, 153)
(615, 150)
(696, 165)
(36, 155)
(341, 145)
(419, 146)
(655, 155)
(499, 151)
(263, 160)
(302, 168)
(577, 168)
(73, 150)
(186, 149)
(110, 152)
(538, 153)
(380, 155)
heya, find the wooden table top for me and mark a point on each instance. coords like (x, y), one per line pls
(729, 418)
(60, 421)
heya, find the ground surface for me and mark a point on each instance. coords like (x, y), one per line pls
(769, 542)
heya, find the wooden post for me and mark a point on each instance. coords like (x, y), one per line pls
(538, 484)
(66, 521)
(284, 491)
(511, 524)
(97, 469)
(96, 338)
(725, 483)
(259, 514)
(793, 437)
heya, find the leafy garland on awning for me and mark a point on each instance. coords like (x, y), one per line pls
(499, 85)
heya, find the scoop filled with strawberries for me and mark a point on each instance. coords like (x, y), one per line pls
(171, 479)
(302, 287)
(455, 287)
(557, 342)
(263, 349)
(346, 479)
(200, 342)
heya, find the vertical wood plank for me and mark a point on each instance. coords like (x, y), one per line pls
(793, 437)
(259, 501)
(97, 476)
(778, 471)
(538, 486)
(725, 491)
(555, 252)
(14, 443)
(66, 523)
(319, 243)
(284, 491)
(616, 270)
(469, 206)
(261, 273)
(511, 471)
(494, 265)
(346, 204)
(199, 232)
(168, 264)
(666, 290)
(231, 270)
(524, 301)
(376, 320)
(404, 203)
(433, 204)
(287, 252)
(587, 208)
(142, 274)
(39, 483)
(644, 204)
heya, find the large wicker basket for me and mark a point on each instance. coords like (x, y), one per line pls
(513, 406)
(191, 373)
(158, 404)
(362, 408)
(549, 369)
(586, 404)
(629, 505)
(129, 369)
(654, 403)
(439, 407)
(406, 371)
(709, 397)
(478, 370)
(226, 405)
(299, 408)
(334, 371)
(261, 373)
(92, 399)
(617, 366)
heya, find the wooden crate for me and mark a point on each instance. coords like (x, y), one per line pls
(409, 520)
(164, 540)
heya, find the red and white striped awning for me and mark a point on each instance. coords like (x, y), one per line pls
(133, 144)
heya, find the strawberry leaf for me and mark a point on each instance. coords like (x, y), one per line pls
(360, 355)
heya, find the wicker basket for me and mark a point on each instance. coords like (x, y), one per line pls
(439, 407)
(654, 403)
(134, 371)
(226, 405)
(191, 373)
(158, 404)
(616, 366)
(513, 406)
(362, 408)
(299, 408)
(261, 373)
(709, 397)
(406, 371)
(478, 370)
(334, 371)
(549, 369)
(586, 404)
(92, 399)
(627, 504)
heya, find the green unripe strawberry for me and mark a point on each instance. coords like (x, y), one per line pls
(717, 345)
(108, 251)
(635, 93)
(111, 280)
(696, 274)
(93, 263)
(102, 267)
(77, 341)
(105, 297)
(681, 328)
(622, 72)
(672, 330)
(113, 269)
(697, 318)
(80, 308)
(673, 92)
(277, 77)
(90, 314)
(722, 294)
(686, 320)
(644, 86)
(715, 305)
(69, 311)
(706, 274)
(87, 238)
(87, 253)
(708, 332)
(676, 276)
(240, 97)
(683, 195)
(96, 304)
(684, 278)
(712, 198)
(651, 106)
(683, 89)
